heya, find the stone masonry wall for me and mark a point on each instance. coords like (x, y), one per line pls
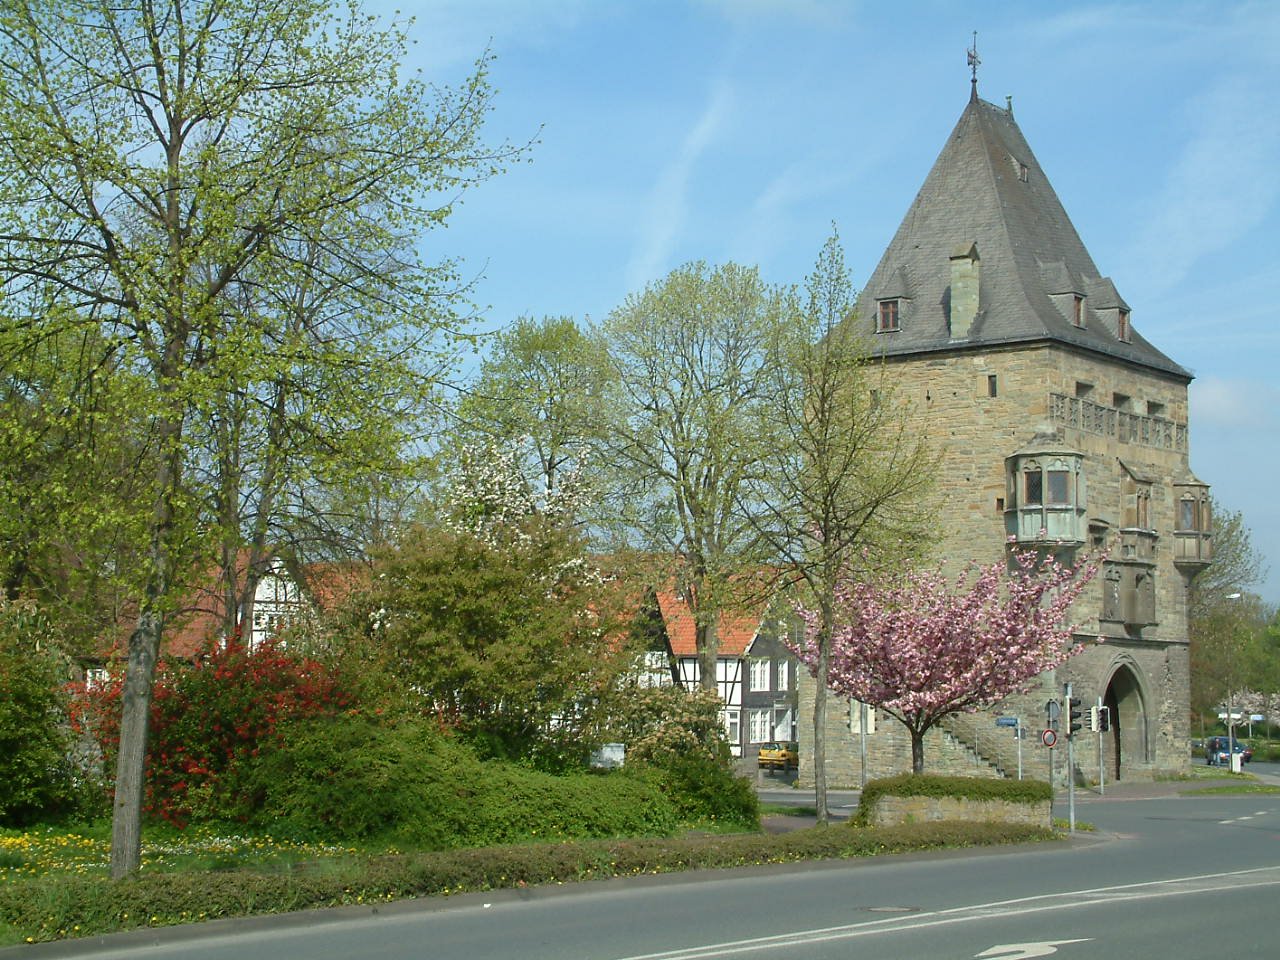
(947, 397)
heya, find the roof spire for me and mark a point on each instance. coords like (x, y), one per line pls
(974, 60)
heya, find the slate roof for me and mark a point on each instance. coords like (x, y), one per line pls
(1027, 247)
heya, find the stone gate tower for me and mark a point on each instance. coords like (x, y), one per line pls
(1058, 425)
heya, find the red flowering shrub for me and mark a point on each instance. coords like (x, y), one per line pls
(210, 721)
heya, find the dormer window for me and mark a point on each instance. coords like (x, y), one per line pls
(887, 316)
(1077, 310)
(1123, 330)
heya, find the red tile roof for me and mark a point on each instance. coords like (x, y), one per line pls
(736, 629)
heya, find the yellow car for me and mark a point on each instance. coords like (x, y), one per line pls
(780, 756)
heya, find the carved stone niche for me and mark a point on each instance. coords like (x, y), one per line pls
(1129, 594)
(1046, 495)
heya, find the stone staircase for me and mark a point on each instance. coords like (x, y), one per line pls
(993, 746)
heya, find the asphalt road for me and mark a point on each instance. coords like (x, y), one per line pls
(1163, 876)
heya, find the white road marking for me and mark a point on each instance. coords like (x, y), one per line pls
(1026, 951)
(1057, 902)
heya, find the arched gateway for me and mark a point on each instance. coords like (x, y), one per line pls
(1127, 744)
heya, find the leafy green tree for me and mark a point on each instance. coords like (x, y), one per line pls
(156, 160)
(690, 360)
(1223, 622)
(843, 492)
(35, 773)
(542, 385)
(502, 642)
(69, 497)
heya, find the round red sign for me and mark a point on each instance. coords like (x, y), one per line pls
(1048, 737)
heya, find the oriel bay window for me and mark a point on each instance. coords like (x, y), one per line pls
(1045, 495)
(1193, 523)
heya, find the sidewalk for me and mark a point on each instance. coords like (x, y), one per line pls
(1112, 792)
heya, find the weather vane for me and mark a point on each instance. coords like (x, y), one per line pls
(974, 59)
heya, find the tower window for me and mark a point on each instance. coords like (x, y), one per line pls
(1122, 326)
(1077, 310)
(887, 318)
(1059, 486)
(1034, 493)
(993, 387)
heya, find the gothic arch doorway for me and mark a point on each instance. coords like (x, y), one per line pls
(1126, 743)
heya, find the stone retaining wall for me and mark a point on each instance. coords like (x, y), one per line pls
(892, 810)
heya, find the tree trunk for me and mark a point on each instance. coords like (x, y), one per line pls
(144, 642)
(820, 738)
(135, 722)
(917, 751)
(825, 629)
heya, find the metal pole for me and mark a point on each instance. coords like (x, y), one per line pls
(862, 740)
(1102, 766)
(1071, 764)
(1017, 732)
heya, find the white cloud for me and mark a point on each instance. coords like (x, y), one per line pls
(1227, 404)
(1221, 184)
(669, 200)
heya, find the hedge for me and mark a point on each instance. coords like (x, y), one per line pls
(54, 908)
(965, 788)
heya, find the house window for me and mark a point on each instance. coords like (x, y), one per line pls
(759, 674)
(761, 724)
(1155, 409)
(1122, 401)
(784, 675)
(1077, 310)
(733, 726)
(1083, 389)
(887, 318)
(993, 387)
(1122, 326)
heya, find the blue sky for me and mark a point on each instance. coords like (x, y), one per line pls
(741, 129)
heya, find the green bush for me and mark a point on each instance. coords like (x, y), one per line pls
(703, 789)
(37, 780)
(966, 788)
(351, 777)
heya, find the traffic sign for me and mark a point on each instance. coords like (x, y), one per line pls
(1048, 737)
(1006, 721)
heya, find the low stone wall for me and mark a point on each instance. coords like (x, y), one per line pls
(892, 810)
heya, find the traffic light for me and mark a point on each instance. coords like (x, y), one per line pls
(1074, 715)
(1104, 719)
(1095, 719)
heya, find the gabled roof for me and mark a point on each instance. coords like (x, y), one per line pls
(987, 187)
(737, 629)
(201, 615)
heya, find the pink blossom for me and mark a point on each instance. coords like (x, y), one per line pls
(925, 647)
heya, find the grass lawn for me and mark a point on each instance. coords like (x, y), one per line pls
(86, 851)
